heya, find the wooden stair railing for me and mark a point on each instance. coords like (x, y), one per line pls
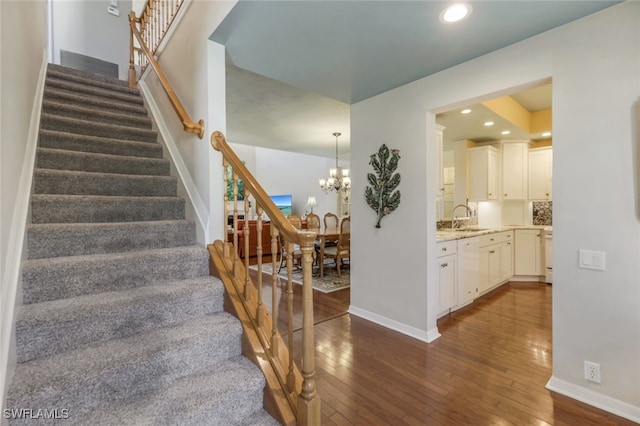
(153, 24)
(293, 387)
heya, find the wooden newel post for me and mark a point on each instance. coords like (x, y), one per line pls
(309, 399)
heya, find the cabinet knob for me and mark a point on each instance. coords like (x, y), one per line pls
(444, 265)
(492, 251)
(505, 194)
(444, 249)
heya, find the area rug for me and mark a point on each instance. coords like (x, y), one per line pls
(329, 283)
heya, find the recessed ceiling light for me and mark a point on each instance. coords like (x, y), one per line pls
(465, 111)
(488, 123)
(546, 134)
(455, 12)
(506, 132)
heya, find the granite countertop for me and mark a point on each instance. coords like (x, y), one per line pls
(474, 231)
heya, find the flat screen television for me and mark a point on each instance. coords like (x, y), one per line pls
(283, 202)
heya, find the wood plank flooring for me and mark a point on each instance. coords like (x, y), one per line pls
(489, 367)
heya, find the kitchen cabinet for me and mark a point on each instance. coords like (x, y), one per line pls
(514, 170)
(482, 176)
(495, 253)
(528, 252)
(447, 276)
(540, 173)
(468, 266)
(506, 257)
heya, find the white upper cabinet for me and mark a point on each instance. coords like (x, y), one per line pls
(482, 176)
(514, 170)
(540, 173)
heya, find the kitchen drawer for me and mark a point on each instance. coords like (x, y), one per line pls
(445, 248)
(495, 238)
(487, 240)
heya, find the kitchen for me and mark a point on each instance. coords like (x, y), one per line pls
(494, 204)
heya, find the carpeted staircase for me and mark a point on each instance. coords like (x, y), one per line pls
(121, 322)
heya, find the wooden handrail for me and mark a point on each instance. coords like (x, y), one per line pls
(187, 123)
(298, 386)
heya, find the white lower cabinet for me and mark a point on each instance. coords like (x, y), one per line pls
(496, 259)
(528, 252)
(506, 259)
(468, 266)
(447, 276)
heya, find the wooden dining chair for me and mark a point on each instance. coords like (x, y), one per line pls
(330, 220)
(342, 250)
(313, 221)
(296, 221)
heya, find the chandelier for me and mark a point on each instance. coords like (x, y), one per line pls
(339, 179)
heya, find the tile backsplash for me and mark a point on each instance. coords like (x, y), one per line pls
(542, 213)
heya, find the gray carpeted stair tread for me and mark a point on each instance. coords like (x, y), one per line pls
(61, 123)
(43, 329)
(228, 395)
(48, 181)
(96, 78)
(99, 92)
(49, 158)
(114, 105)
(96, 144)
(87, 378)
(64, 277)
(77, 239)
(47, 208)
(88, 113)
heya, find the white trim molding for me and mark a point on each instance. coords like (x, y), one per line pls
(11, 268)
(199, 207)
(596, 399)
(416, 333)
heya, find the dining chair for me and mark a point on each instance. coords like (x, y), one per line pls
(296, 221)
(313, 221)
(342, 250)
(330, 220)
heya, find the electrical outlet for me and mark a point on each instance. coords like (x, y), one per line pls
(592, 372)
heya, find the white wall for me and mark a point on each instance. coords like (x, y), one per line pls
(196, 74)
(21, 60)
(596, 86)
(282, 172)
(86, 28)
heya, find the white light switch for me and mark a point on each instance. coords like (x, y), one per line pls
(590, 259)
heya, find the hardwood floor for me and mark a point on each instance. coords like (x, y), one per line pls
(489, 367)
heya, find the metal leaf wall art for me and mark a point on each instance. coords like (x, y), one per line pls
(381, 195)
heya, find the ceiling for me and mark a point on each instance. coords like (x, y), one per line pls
(294, 67)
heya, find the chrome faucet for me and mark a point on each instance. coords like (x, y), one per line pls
(453, 218)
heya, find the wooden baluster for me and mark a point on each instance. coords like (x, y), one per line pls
(235, 225)
(247, 293)
(290, 376)
(225, 203)
(132, 68)
(274, 294)
(260, 305)
(308, 400)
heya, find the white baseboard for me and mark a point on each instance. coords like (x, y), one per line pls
(604, 402)
(199, 207)
(416, 333)
(11, 269)
(528, 278)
